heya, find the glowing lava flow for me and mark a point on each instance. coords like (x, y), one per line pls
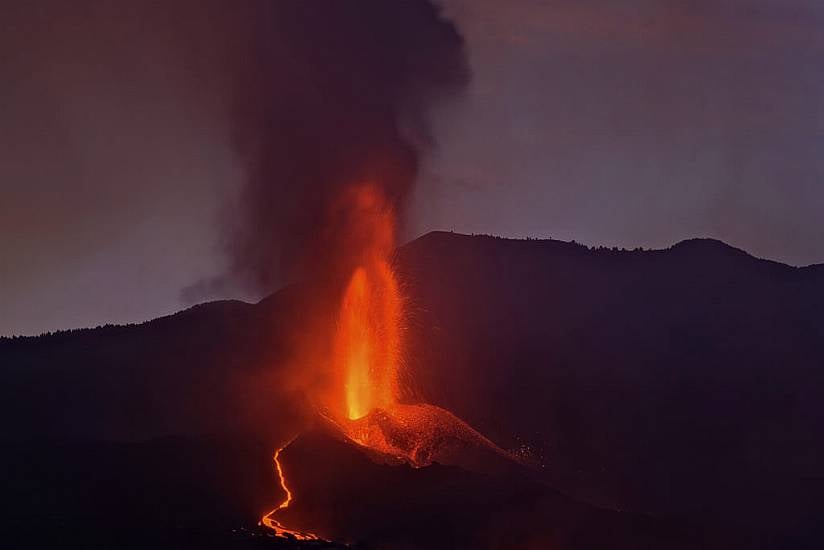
(269, 521)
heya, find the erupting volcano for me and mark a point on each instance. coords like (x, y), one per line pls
(362, 401)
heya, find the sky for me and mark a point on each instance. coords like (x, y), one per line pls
(636, 123)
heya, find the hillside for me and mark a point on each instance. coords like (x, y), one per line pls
(684, 382)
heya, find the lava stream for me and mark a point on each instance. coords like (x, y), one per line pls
(269, 521)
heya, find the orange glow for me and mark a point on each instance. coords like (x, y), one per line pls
(367, 340)
(269, 521)
(363, 369)
(362, 398)
(367, 354)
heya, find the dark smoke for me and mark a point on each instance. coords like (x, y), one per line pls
(330, 94)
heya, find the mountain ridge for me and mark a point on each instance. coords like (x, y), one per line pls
(690, 245)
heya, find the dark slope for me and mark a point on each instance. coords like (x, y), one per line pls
(685, 382)
(179, 492)
(209, 369)
(350, 497)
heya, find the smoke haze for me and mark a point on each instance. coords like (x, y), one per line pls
(183, 145)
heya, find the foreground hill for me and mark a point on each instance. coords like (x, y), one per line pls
(351, 497)
(684, 382)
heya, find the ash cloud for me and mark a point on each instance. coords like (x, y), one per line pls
(127, 125)
(326, 95)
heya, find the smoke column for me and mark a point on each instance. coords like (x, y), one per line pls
(328, 95)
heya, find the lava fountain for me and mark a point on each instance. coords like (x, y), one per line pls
(363, 400)
(367, 340)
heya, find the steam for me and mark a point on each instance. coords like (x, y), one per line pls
(330, 95)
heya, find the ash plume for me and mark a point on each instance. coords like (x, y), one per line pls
(327, 95)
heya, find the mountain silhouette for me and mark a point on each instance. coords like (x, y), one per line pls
(683, 384)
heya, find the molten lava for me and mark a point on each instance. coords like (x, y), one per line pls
(363, 400)
(367, 340)
(367, 362)
(270, 521)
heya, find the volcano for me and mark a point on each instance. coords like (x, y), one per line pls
(361, 393)
(678, 390)
(417, 434)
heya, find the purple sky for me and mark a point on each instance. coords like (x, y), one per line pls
(636, 123)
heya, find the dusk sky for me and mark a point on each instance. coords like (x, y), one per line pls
(635, 123)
